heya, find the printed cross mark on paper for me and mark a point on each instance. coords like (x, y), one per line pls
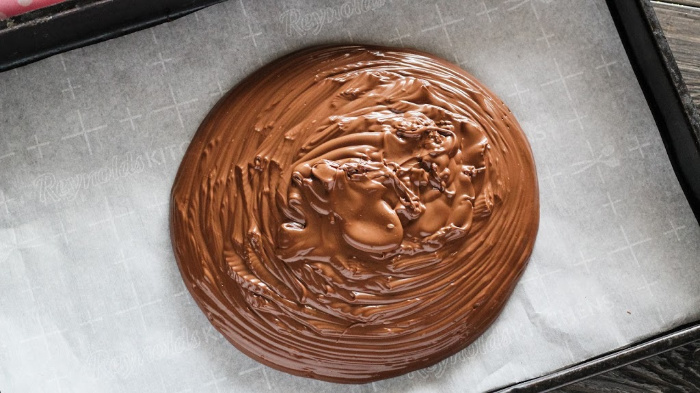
(577, 118)
(545, 37)
(176, 105)
(519, 3)
(399, 37)
(630, 246)
(7, 155)
(563, 79)
(443, 24)
(3, 202)
(70, 89)
(518, 93)
(161, 61)
(251, 34)
(639, 146)
(37, 146)
(675, 230)
(258, 368)
(606, 65)
(584, 261)
(549, 177)
(130, 118)
(84, 132)
(219, 91)
(611, 204)
(486, 11)
(605, 158)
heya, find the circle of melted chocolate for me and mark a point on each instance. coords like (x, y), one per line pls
(352, 213)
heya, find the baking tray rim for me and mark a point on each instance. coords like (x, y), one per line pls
(624, 12)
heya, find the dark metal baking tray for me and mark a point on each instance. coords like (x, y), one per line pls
(75, 23)
(678, 122)
(676, 116)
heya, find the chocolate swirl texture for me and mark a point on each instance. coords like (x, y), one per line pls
(352, 213)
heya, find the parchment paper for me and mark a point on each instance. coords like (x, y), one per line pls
(91, 298)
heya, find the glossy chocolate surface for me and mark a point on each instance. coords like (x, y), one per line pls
(352, 213)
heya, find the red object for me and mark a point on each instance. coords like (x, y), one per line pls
(10, 8)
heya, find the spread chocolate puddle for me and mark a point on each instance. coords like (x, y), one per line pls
(352, 213)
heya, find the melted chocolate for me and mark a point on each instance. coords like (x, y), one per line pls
(352, 213)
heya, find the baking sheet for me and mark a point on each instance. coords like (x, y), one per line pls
(91, 139)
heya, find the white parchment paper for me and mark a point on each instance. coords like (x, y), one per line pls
(90, 296)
